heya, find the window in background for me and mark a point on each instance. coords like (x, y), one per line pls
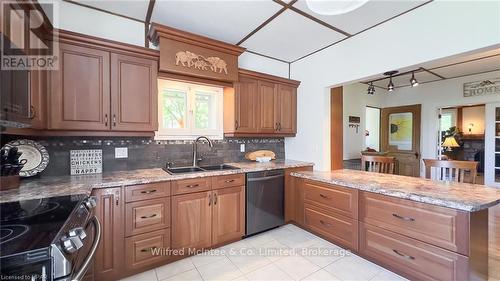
(187, 111)
(372, 133)
(448, 120)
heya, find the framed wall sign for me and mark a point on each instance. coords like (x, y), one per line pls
(86, 161)
(481, 88)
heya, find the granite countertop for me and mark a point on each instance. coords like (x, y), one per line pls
(460, 196)
(70, 185)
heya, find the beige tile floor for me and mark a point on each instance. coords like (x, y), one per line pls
(285, 253)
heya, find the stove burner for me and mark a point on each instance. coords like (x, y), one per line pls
(24, 214)
(11, 232)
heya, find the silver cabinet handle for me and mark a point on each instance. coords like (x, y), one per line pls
(325, 223)
(148, 249)
(403, 255)
(209, 199)
(229, 181)
(192, 185)
(236, 125)
(114, 120)
(324, 196)
(403, 218)
(106, 119)
(215, 198)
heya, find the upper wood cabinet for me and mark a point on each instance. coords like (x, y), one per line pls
(80, 90)
(103, 86)
(260, 105)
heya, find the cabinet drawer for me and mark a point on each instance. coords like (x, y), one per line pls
(138, 249)
(145, 216)
(191, 185)
(341, 200)
(444, 227)
(228, 181)
(415, 259)
(146, 191)
(337, 228)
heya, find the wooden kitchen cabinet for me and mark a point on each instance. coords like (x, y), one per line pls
(286, 109)
(228, 216)
(38, 96)
(102, 86)
(134, 93)
(260, 105)
(192, 220)
(80, 90)
(109, 257)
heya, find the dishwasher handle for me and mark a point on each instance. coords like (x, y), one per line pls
(264, 178)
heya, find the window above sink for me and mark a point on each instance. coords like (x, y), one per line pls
(187, 110)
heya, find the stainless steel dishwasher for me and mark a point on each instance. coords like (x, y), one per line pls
(264, 200)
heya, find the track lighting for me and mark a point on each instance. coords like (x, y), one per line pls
(413, 81)
(371, 89)
(390, 87)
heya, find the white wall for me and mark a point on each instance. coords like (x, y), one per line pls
(262, 64)
(431, 32)
(355, 101)
(92, 22)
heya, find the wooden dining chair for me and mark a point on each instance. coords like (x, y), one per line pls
(451, 170)
(378, 164)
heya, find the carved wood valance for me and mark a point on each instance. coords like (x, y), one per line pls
(190, 54)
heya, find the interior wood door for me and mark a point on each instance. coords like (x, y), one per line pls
(109, 258)
(192, 220)
(400, 137)
(228, 215)
(80, 91)
(133, 93)
(267, 103)
(286, 109)
(247, 106)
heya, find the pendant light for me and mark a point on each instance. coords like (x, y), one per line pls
(390, 87)
(371, 89)
(413, 81)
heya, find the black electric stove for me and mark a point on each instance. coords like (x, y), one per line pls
(40, 238)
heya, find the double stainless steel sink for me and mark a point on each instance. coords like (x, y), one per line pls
(196, 169)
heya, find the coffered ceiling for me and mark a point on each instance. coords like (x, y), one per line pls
(285, 30)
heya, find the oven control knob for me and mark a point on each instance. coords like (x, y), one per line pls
(78, 232)
(91, 202)
(71, 244)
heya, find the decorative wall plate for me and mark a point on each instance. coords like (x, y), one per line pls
(36, 155)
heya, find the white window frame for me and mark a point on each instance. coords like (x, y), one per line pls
(190, 132)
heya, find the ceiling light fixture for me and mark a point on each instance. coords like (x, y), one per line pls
(330, 8)
(390, 87)
(371, 89)
(413, 81)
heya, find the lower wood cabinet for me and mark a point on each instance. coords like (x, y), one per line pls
(144, 250)
(228, 215)
(146, 216)
(192, 220)
(109, 257)
(414, 259)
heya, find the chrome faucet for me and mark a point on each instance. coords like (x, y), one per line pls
(195, 149)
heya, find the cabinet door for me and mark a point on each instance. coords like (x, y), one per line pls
(38, 99)
(108, 260)
(192, 220)
(268, 103)
(80, 93)
(133, 93)
(247, 106)
(286, 110)
(228, 214)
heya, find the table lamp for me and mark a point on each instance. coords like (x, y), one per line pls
(450, 142)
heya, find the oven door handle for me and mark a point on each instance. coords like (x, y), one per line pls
(88, 259)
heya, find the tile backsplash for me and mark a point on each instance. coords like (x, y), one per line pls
(148, 153)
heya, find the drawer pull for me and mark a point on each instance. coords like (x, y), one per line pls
(229, 181)
(148, 191)
(149, 217)
(148, 249)
(324, 196)
(325, 223)
(403, 218)
(192, 185)
(403, 255)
